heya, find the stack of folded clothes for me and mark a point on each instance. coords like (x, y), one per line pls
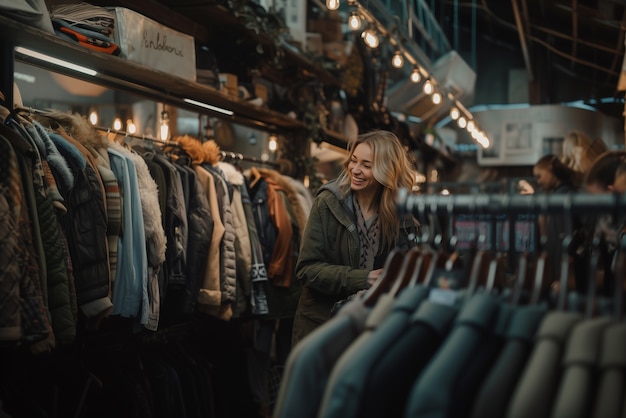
(88, 25)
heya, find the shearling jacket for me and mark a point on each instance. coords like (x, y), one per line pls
(328, 264)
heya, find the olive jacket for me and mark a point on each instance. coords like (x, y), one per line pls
(328, 264)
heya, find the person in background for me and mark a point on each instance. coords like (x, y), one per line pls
(352, 227)
(553, 176)
(602, 178)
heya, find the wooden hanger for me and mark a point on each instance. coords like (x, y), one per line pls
(391, 269)
(520, 278)
(408, 267)
(256, 176)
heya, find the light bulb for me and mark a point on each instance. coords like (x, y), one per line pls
(471, 125)
(428, 87)
(93, 117)
(131, 128)
(164, 130)
(436, 98)
(454, 113)
(462, 122)
(416, 77)
(370, 38)
(273, 143)
(117, 124)
(332, 4)
(354, 22)
(398, 60)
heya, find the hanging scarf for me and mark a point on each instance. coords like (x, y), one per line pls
(369, 237)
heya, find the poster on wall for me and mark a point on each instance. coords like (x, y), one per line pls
(517, 137)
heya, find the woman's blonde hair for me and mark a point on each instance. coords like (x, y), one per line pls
(392, 169)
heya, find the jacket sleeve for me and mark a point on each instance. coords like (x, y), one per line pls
(325, 263)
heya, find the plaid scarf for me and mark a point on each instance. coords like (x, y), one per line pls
(369, 237)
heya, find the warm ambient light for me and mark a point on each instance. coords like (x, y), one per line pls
(454, 113)
(131, 128)
(332, 4)
(210, 107)
(354, 22)
(117, 124)
(272, 145)
(93, 117)
(370, 38)
(164, 130)
(428, 87)
(55, 61)
(398, 60)
(436, 98)
(416, 77)
(462, 122)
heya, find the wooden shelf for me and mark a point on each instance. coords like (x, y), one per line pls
(116, 72)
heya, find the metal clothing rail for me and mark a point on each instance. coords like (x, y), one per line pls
(236, 156)
(510, 203)
(142, 137)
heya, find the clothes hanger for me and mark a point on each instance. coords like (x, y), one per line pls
(256, 176)
(446, 263)
(591, 279)
(541, 277)
(565, 259)
(408, 267)
(392, 266)
(426, 253)
(620, 270)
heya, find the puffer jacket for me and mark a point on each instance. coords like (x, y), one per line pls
(328, 264)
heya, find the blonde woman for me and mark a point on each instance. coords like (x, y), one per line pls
(352, 227)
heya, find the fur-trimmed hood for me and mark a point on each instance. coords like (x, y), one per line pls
(233, 176)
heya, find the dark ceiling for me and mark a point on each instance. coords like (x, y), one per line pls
(571, 49)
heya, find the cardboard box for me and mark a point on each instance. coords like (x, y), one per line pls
(146, 42)
(314, 43)
(228, 84)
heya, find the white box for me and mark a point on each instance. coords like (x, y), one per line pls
(146, 42)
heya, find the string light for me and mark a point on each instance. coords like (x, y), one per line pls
(436, 98)
(332, 4)
(398, 60)
(462, 122)
(454, 113)
(354, 22)
(416, 77)
(428, 87)
(370, 38)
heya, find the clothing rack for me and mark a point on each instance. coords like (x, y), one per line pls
(236, 156)
(142, 137)
(510, 204)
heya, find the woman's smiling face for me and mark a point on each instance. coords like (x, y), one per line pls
(360, 168)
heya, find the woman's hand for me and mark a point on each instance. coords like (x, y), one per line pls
(373, 276)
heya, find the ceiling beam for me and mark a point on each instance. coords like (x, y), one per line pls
(522, 38)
